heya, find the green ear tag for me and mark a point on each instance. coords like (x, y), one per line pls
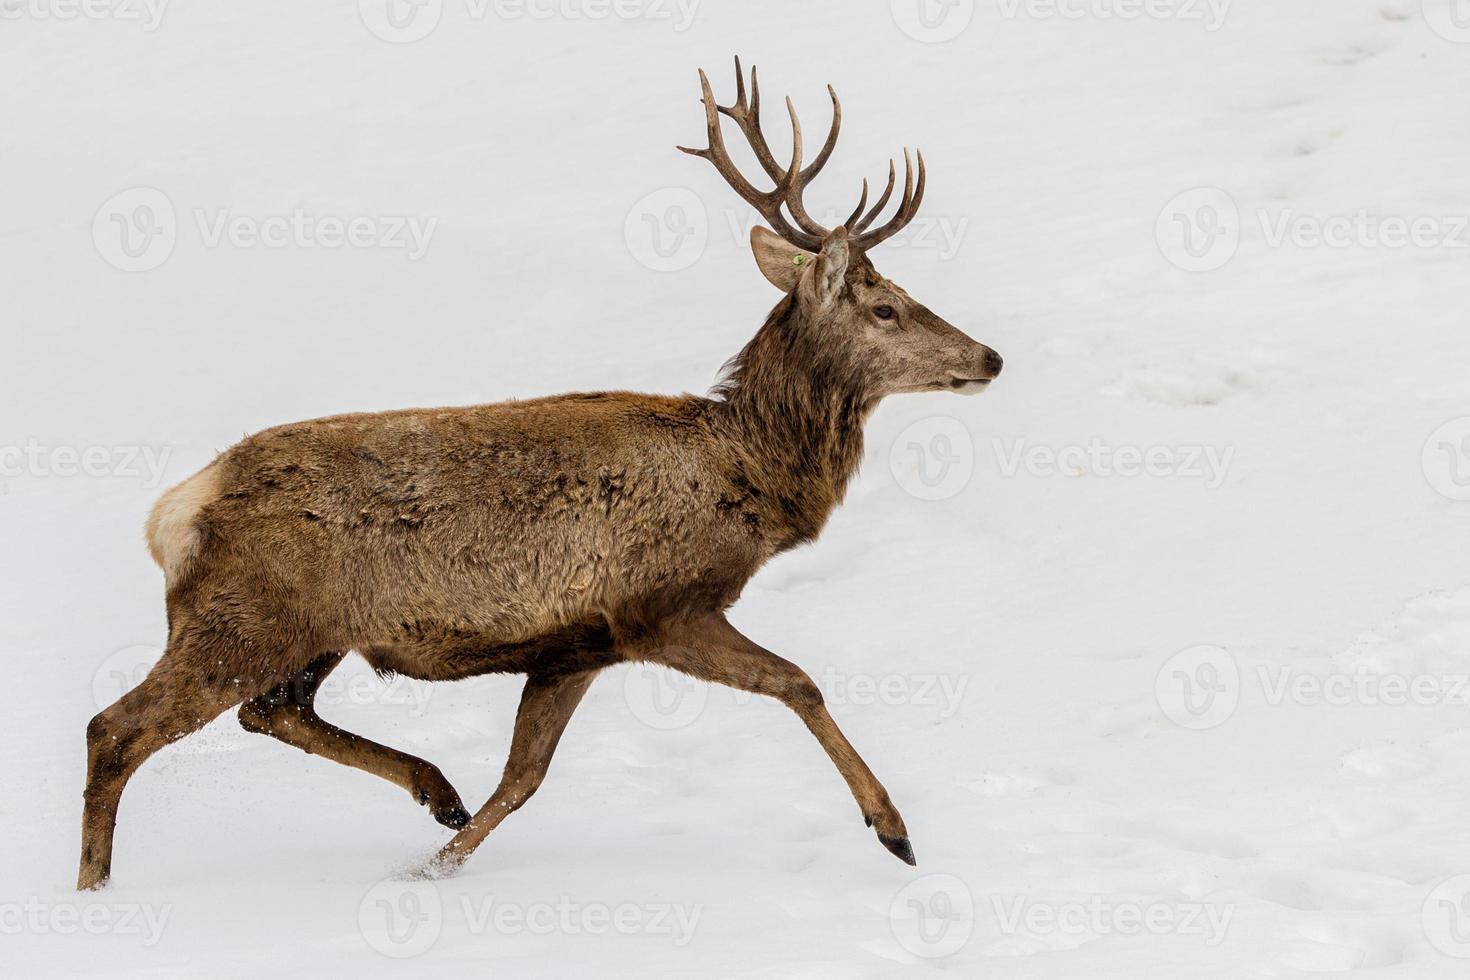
(798, 259)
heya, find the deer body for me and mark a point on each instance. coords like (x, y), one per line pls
(405, 535)
(549, 537)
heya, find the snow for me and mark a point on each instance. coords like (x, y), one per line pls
(1160, 646)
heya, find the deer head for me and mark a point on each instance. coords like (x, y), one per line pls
(896, 343)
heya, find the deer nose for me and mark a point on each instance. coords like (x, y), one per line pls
(993, 363)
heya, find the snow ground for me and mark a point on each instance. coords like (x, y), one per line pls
(1201, 720)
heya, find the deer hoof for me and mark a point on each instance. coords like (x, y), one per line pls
(453, 817)
(900, 848)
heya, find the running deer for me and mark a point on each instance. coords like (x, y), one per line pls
(551, 537)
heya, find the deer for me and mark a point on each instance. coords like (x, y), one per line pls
(551, 537)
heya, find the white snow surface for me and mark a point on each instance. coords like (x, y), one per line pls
(1001, 656)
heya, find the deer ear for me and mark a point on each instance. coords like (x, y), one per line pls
(831, 267)
(780, 262)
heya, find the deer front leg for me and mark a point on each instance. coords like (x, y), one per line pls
(710, 649)
(547, 704)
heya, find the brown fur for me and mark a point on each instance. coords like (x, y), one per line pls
(549, 537)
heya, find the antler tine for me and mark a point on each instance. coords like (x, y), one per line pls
(826, 151)
(794, 200)
(748, 118)
(908, 205)
(768, 203)
(857, 211)
(799, 178)
(862, 225)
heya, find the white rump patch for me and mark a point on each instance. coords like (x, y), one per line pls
(173, 529)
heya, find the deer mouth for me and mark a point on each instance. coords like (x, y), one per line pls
(967, 386)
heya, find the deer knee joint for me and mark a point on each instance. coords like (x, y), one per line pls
(256, 717)
(803, 693)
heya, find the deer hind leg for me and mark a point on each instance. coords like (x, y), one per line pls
(710, 649)
(287, 712)
(174, 700)
(547, 704)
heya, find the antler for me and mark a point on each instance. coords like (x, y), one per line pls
(791, 181)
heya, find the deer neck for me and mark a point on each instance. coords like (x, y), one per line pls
(796, 409)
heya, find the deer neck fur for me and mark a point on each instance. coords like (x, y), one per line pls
(795, 402)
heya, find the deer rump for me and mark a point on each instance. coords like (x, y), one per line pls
(445, 543)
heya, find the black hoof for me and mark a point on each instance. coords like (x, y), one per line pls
(454, 817)
(900, 847)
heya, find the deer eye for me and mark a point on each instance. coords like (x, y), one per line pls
(883, 312)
